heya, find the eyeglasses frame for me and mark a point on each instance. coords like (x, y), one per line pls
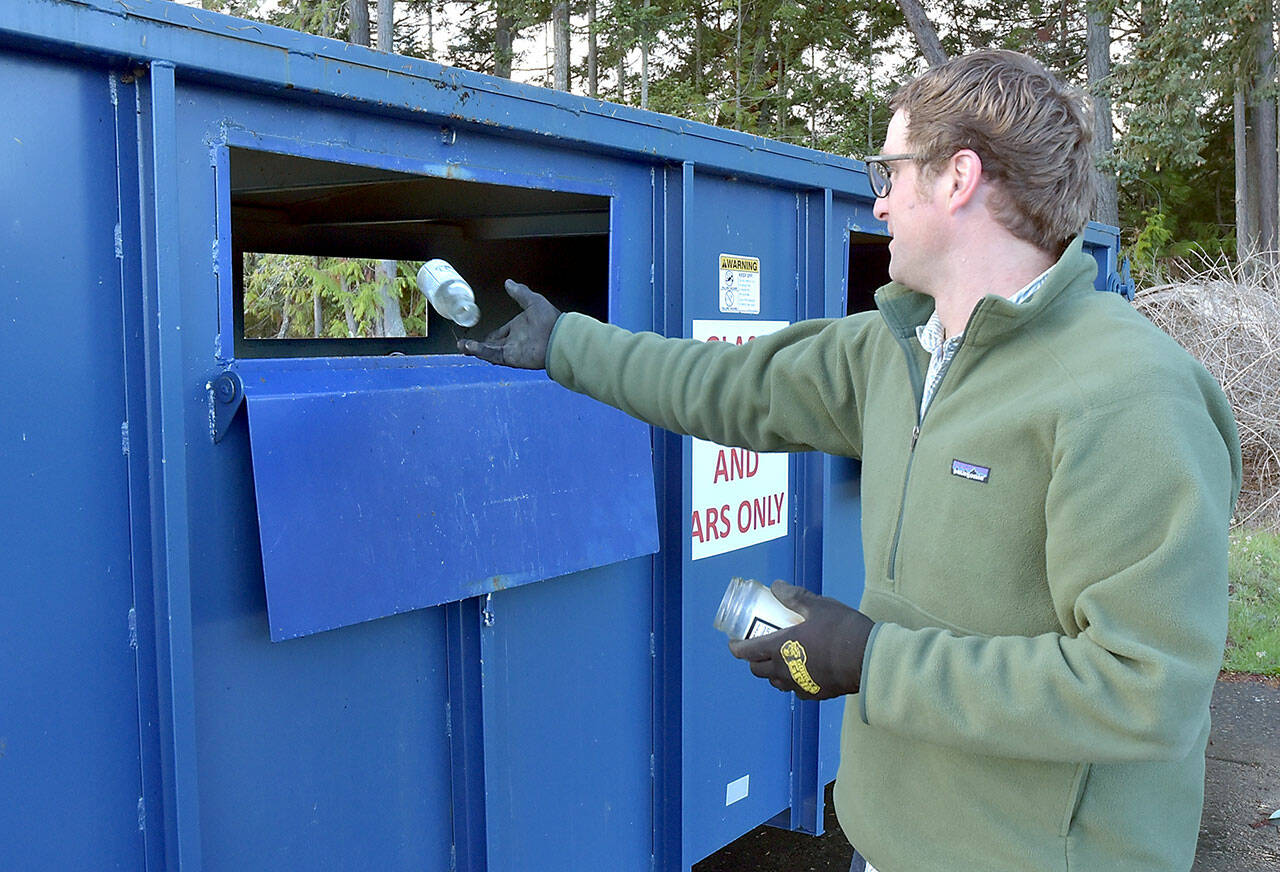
(881, 162)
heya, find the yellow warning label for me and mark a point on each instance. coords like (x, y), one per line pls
(794, 656)
(744, 264)
(739, 284)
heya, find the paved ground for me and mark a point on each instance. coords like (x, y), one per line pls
(1242, 788)
(1242, 781)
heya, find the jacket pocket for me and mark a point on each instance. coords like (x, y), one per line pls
(1074, 795)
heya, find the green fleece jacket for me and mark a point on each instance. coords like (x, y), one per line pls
(1045, 561)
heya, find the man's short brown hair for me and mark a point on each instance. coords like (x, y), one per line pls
(1030, 130)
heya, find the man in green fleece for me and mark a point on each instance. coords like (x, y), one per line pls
(1047, 482)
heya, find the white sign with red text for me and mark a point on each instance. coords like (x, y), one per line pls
(739, 496)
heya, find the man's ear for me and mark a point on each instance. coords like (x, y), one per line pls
(964, 174)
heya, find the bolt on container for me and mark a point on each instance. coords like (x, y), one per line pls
(749, 609)
(449, 293)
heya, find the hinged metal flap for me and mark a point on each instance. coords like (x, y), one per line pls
(384, 486)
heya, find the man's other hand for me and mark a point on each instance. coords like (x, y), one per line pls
(819, 658)
(521, 342)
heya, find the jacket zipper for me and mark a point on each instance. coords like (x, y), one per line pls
(897, 533)
(917, 385)
(917, 390)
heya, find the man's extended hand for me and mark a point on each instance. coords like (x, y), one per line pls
(819, 658)
(522, 341)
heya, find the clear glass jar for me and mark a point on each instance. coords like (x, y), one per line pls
(749, 610)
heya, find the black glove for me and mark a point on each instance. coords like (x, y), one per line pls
(819, 658)
(522, 341)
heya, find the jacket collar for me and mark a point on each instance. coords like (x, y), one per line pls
(904, 309)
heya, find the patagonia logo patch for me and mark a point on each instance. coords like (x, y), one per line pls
(971, 471)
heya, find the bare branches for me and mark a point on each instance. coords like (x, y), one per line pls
(1228, 317)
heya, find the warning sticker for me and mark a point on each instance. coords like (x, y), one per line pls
(739, 284)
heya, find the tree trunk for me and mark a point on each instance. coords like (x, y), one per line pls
(1264, 125)
(622, 70)
(386, 25)
(1098, 54)
(560, 33)
(352, 331)
(925, 33)
(698, 29)
(360, 22)
(644, 61)
(388, 301)
(431, 31)
(1246, 234)
(593, 59)
(317, 320)
(504, 36)
(737, 73)
(783, 109)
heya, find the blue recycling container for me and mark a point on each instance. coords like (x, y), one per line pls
(309, 604)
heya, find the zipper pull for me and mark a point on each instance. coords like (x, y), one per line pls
(915, 434)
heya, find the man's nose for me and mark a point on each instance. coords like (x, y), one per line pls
(881, 209)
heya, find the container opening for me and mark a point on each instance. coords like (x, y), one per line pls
(868, 270)
(325, 254)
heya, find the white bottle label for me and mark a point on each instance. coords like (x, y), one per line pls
(760, 627)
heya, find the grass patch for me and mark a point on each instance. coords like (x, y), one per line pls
(1253, 619)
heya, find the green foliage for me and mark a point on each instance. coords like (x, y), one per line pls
(1151, 240)
(1253, 622)
(1197, 202)
(820, 73)
(281, 290)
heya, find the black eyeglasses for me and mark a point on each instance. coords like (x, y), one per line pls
(879, 173)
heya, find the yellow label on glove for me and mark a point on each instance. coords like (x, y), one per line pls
(793, 655)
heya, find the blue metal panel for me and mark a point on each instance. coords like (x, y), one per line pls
(820, 236)
(567, 722)
(325, 753)
(466, 734)
(458, 484)
(842, 561)
(670, 183)
(143, 623)
(69, 749)
(446, 802)
(733, 724)
(167, 459)
(1103, 242)
(328, 752)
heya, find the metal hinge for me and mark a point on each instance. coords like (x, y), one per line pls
(226, 396)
